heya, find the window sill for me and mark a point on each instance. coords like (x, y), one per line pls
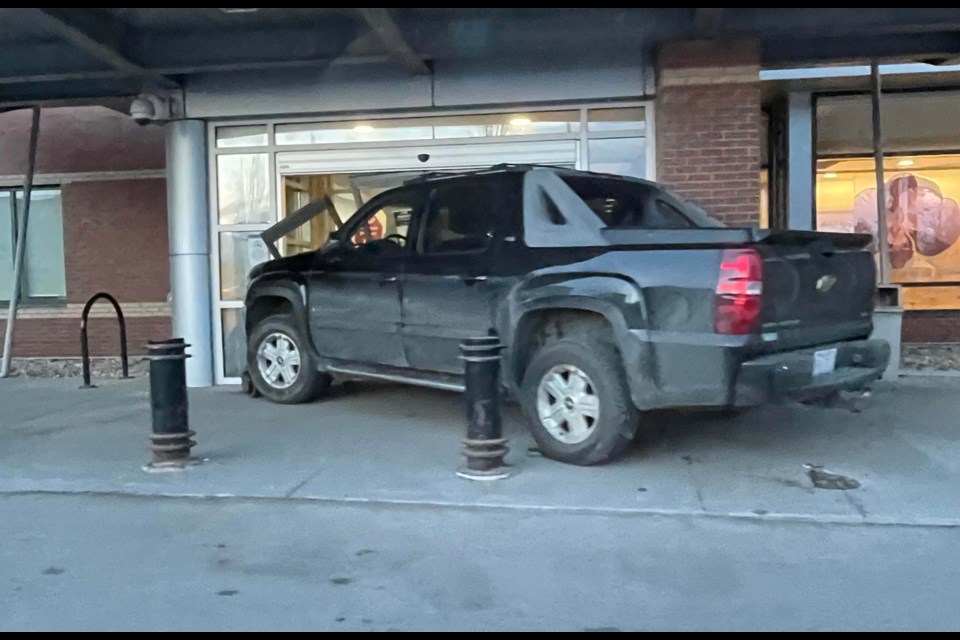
(38, 303)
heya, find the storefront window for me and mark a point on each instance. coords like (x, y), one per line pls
(440, 128)
(921, 140)
(620, 156)
(911, 122)
(234, 341)
(44, 272)
(7, 233)
(920, 205)
(243, 184)
(631, 119)
(239, 252)
(509, 124)
(242, 136)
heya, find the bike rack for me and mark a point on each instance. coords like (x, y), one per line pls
(85, 347)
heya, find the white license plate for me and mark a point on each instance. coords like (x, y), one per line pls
(824, 361)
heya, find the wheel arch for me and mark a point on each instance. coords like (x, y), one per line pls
(284, 297)
(278, 298)
(550, 319)
(553, 319)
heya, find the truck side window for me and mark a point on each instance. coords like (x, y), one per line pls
(468, 216)
(389, 222)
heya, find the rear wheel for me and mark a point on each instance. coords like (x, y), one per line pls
(577, 400)
(280, 364)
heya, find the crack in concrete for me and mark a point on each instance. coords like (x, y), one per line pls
(697, 486)
(301, 485)
(774, 517)
(703, 507)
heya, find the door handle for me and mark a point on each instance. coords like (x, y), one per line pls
(388, 279)
(474, 279)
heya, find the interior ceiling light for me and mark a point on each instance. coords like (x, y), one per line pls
(905, 163)
(363, 128)
(520, 121)
(830, 175)
(242, 10)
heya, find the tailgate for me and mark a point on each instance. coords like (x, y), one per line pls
(817, 288)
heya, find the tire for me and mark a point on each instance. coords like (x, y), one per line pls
(305, 383)
(610, 433)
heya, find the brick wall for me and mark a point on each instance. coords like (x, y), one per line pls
(60, 337)
(709, 126)
(115, 240)
(79, 140)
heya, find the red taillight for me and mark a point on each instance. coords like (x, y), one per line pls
(739, 287)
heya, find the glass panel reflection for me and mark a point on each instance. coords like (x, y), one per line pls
(243, 187)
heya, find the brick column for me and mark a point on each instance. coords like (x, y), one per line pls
(709, 125)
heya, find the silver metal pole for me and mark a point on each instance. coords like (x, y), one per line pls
(188, 223)
(21, 245)
(882, 240)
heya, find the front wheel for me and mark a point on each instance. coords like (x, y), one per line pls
(280, 364)
(578, 404)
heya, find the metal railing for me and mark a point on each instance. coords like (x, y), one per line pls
(84, 343)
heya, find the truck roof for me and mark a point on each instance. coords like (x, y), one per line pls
(437, 176)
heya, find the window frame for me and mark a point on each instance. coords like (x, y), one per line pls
(24, 299)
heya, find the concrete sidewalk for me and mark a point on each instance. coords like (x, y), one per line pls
(391, 444)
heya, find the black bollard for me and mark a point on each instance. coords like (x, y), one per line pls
(484, 446)
(170, 440)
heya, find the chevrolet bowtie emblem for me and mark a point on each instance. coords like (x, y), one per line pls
(825, 283)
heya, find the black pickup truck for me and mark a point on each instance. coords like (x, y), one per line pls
(612, 295)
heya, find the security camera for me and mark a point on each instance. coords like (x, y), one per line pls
(142, 111)
(149, 109)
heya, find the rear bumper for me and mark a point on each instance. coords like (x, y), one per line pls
(789, 375)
